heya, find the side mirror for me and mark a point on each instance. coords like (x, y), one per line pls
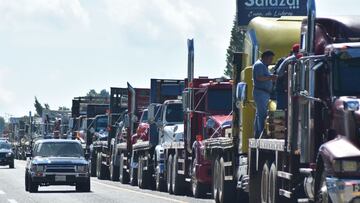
(210, 124)
(151, 114)
(127, 121)
(92, 130)
(28, 154)
(134, 119)
(241, 92)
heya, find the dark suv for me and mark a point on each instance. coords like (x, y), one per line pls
(57, 162)
(6, 154)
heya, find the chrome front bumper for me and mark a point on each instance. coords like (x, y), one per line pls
(343, 190)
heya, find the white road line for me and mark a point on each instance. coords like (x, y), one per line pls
(2, 192)
(12, 201)
(141, 193)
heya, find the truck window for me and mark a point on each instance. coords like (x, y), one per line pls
(347, 76)
(59, 149)
(144, 117)
(219, 100)
(101, 123)
(174, 113)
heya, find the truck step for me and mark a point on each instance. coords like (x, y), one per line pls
(188, 180)
(227, 164)
(306, 171)
(285, 193)
(285, 175)
(181, 172)
(181, 160)
(304, 200)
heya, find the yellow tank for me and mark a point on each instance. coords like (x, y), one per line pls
(276, 34)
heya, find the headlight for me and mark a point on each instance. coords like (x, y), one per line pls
(37, 168)
(345, 166)
(82, 168)
(8, 155)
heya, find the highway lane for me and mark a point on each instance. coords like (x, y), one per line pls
(12, 191)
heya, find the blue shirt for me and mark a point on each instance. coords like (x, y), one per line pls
(261, 70)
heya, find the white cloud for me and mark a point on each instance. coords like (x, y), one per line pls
(158, 17)
(6, 96)
(24, 14)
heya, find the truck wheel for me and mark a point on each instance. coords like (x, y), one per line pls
(12, 165)
(215, 187)
(140, 174)
(273, 187)
(254, 179)
(264, 183)
(168, 174)
(133, 176)
(123, 175)
(321, 195)
(93, 165)
(226, 188)
(100, 168)
(198, 189)
(159, 182)
(83, 187)
(33, 187)
(177, 182)
(114, 172)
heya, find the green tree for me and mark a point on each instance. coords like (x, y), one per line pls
(47, 106)
(38, 107)
(236, 45)
(93, 93)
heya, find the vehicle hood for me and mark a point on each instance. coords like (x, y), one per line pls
(5, 150)
(224, 121)
(59, 160)
(174, 132)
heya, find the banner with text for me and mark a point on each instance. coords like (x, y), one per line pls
(249, 9)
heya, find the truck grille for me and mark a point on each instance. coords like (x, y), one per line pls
(2, 155)
(60, 169)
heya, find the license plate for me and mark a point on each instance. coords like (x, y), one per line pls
(60, 178)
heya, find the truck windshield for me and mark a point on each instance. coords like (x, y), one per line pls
(59, 149)
(101, 123)
(174, 113)
(347, 77)
(144, 117)
(219, 100)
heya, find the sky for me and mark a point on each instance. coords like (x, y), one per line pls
(59, 49)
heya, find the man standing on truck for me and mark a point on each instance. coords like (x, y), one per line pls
(262, 79)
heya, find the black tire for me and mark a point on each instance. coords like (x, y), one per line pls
(123, 175)
(140, 175)
(83, 187)
(273, 186)
(198, 189)
(159, 182)
(226, 188)
(114, 172)
(100, 168)
(26, 182)
(12, 165)
(33, 187)
(264, 183)
(321, 193)
(216, 179)
(93, 161)
(177, 179)
(254, 180)
(169, 174)
(133, 176)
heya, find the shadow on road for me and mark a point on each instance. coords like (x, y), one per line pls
(61, 191)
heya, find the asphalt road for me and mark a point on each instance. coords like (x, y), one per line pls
(102, 191)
